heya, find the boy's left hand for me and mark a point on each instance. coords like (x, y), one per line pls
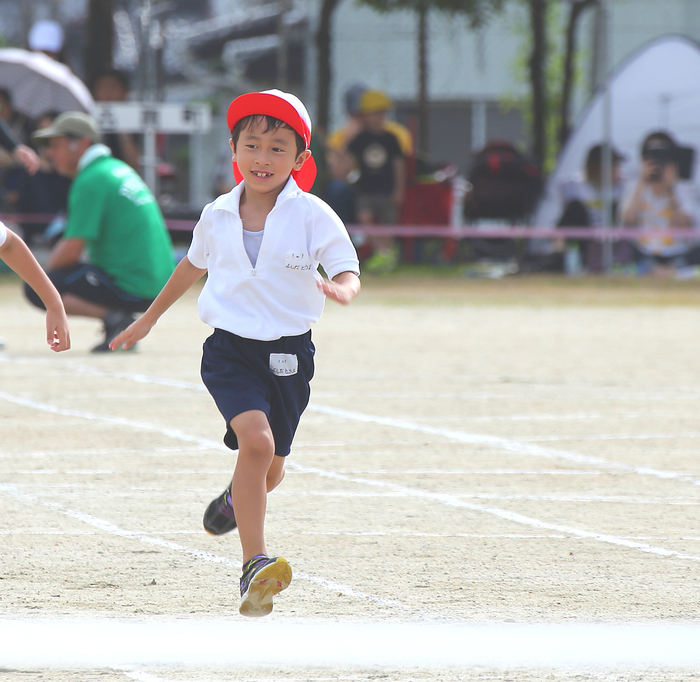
(342, 289)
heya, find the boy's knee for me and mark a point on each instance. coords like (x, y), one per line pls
(257, 440)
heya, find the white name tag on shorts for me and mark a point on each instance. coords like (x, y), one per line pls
(283, 364)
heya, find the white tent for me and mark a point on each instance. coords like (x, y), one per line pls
(657, 88)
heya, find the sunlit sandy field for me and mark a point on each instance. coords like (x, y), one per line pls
(495, 480)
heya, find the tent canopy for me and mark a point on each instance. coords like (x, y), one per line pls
(657, 88)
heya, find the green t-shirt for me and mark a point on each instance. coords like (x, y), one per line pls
(112, 209)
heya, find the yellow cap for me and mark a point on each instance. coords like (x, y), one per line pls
(374, 100)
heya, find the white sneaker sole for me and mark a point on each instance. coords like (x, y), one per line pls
(267, 582)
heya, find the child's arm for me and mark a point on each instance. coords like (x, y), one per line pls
(343, 288)
(180, 281)
(18, 256)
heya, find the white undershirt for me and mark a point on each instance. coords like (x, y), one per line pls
(251, 242)
(3, 233)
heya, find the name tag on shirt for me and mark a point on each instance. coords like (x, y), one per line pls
(283, 364)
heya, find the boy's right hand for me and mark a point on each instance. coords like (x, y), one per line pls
(133, 333)
(57, 334)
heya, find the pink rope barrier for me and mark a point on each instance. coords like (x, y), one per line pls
(442, 231)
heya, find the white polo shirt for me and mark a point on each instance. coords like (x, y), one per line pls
(279, 296)
(3, 233)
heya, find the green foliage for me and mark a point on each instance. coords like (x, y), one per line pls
(478, 12)
(554, 76)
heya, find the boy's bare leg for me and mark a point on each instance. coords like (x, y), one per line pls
(249, 489)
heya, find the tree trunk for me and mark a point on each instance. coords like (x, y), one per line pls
(325, 74)
(100, 38)
(577, 8)
(538, 60)
(423, 116)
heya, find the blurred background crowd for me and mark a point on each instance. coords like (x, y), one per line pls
(487, 114)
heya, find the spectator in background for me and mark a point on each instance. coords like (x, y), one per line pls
(13, 149)
(47, 37)
(582, 197)
(337, 141)
(114, 218)
(45, 192)
(660, 199)
(381, 184)
(18, 123)
(583, 206)
(112, 85)
(18, 152)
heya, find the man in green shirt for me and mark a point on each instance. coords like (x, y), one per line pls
(114, 219)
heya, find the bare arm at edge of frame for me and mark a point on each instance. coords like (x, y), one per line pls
(184, 276)
(18, 256)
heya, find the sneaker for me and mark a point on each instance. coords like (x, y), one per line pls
(115, 321)
(218, 518)
(262, 579)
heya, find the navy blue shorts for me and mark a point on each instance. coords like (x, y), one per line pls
(272, 376)
(92, 284)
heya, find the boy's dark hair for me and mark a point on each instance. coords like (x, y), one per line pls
(271, 123)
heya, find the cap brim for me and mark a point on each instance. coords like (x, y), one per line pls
(45, 133)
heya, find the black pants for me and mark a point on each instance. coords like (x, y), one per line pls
(91, 284)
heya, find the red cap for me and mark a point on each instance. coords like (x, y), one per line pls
(285, 107)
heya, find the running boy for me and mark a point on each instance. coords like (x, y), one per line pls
(18, 256)
(260, 245)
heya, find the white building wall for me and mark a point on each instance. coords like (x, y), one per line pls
(380, 50)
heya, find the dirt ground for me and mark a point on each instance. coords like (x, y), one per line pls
(524, 450)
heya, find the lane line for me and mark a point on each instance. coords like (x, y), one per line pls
(364, 472)
(380, 534)
(98, 643)
(113, 529)
(443, 498)
(455, 501)
(502, 444)
(498, 442)
(85, 490)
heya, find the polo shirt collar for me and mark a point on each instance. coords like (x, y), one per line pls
(92, 153)
(232, 200)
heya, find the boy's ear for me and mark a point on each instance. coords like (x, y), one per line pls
(301, 159)
(233, 149)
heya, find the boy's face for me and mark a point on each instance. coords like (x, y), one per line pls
(266, 159)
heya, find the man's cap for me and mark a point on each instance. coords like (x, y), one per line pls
(372, 101)
(72, 123)
(285, 107)
(46, 36)
(352, 97)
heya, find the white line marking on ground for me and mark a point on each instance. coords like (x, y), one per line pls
(99, 643)
(617, 436)
(380, 534)
(362, 472)
(500, 443)
(117, 421)
(195, 553)
(455, 501)
(90, 490)
(443, 498)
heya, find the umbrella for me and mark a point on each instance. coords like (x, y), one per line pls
(38, 83)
